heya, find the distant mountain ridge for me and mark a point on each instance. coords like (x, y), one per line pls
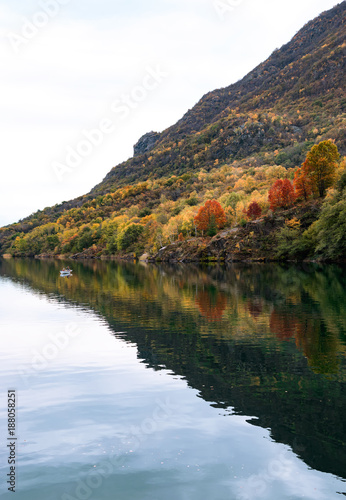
(273, 78)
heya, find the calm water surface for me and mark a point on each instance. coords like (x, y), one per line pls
(139, 382)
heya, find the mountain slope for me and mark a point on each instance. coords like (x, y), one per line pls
(300, 87)
(296, 67)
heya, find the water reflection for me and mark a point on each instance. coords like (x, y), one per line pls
(266, 340)
(211, 303)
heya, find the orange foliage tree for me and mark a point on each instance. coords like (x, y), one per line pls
(254, 210)
(281, 194)
(320, 166)
(210, 217)
(302, 184)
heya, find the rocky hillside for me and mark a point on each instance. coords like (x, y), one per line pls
(296, 95)
(256, 241)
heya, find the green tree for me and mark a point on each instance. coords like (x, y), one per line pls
(85, 239)
(130, 236)
(329, 231)
(52, 242)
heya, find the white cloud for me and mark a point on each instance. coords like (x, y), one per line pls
(66, 77)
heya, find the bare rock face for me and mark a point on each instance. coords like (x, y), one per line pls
(146, 143)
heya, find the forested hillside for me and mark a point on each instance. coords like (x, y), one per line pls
(268, 150)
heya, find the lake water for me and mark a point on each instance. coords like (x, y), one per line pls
(138, 382)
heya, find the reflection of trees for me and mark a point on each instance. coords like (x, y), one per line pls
(320, 348)
(228, 346)
(327, 289)
(311, 337)
(211, 303)
(282, 324)
(255, 307)
(306, 302)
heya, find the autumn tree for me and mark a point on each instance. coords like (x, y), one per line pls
(254, 211)
(230, 215)
(303, 184)
(320, 166)
(210, 217)
(281, 194)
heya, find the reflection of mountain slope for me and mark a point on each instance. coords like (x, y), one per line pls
(236, 361)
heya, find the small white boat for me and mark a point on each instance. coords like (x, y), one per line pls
(66, 272)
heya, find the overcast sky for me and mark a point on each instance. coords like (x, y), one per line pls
(81, 81)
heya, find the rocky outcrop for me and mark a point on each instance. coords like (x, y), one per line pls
(146, 143)
(238, 244)
(256, 241)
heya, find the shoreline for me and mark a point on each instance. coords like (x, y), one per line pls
(172, 260)
(254, 242)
